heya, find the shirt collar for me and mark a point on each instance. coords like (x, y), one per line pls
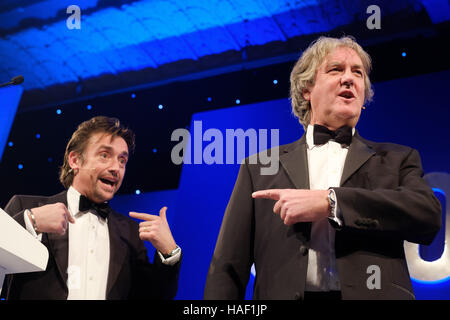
(73, 200)
(309, 136)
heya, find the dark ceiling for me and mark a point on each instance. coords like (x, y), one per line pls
(127, 45)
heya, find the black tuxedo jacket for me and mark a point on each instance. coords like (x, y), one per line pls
(130, 276)
(383, 200)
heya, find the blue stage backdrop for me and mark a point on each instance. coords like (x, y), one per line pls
(9, 100)
(412, 111)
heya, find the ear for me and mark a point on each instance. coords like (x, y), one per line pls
(74, 160)
(306, 94)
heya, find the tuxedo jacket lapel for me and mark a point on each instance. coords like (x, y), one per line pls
(59, 244)
(358, 153)
(117, 249)
(295, 162)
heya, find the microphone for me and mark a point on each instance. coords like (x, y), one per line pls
(14, 81)
(91, 169)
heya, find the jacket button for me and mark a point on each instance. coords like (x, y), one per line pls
(303, 250)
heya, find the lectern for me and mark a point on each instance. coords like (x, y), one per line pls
(19, 250)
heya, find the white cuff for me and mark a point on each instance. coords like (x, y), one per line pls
(171, 260)
(29, 226)
(336, 213)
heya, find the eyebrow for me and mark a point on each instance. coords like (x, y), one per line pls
(110, 149)
(337, 63)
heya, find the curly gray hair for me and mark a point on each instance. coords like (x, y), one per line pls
(303, 74)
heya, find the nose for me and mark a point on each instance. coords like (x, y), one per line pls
(347, 78)
(114, 168)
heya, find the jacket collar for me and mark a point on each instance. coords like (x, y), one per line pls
(294, 160)
(358, 153)
(58, 244)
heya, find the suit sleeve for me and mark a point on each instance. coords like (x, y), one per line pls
(229, 270)
(409, 212)
(15, 209)
(155, 280)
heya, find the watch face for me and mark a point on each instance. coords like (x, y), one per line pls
(332, 196)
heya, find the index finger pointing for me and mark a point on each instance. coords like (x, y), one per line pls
(67, 213)
(273, 194)
(143, 216)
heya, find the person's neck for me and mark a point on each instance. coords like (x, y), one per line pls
(331, 126)
(79, 190)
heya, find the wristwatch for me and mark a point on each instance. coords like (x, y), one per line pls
(171, 253)
(332, 202)
(332, 216)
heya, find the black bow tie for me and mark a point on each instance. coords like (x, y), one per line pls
(322, 134)
(102, 209)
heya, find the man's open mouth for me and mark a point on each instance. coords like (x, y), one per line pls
(109, 182)
(347, 94)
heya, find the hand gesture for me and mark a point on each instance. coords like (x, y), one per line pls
(297, 205)
(156, 230)
(52, 218)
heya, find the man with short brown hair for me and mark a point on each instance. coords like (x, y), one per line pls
(95, 253)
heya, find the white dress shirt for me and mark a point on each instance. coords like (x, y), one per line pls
(325, 164)
(88, 252)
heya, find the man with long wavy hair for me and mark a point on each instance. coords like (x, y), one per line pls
(330, 224)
